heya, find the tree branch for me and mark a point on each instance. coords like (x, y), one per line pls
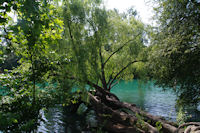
(124, 68)
(114, 84)
(103, 79)
(103, 91)
(70, 32)
(120, 49)
(110, 78)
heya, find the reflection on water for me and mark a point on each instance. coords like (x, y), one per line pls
(61, 120)
(146, 96)
(53, 120)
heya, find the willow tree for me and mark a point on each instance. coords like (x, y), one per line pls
(176, 47)
(102, 44)
(100, 49)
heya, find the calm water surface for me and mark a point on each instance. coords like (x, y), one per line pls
(145, 95)
(148, 97)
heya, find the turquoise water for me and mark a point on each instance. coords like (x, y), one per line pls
(144, 95)
(153, 99)
(147, 96)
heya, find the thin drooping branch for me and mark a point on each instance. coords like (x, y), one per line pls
(120, 48)
(70, 32)
(124, 68)
(102, 77)
(91, 25)
(110, 78)
(101, 58)
(114, 84)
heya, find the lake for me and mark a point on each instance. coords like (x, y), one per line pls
(147, 96)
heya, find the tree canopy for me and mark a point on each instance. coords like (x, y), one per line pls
(176, 48)
(101, 44)
(64, 51)
(58, 42)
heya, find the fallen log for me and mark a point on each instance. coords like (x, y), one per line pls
(168, 127)
(111, 105)
(191, 127)
(119, 121)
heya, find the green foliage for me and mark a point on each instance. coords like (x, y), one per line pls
(159, 126)
(174, 60)
(32, 39)
(92, 35)
(18, 111)
(140, 122)
(54, 46)
(19, 115)
(181, 116)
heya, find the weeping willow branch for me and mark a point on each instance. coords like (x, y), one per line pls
(102, 77)
(124, 68)
(120, 48)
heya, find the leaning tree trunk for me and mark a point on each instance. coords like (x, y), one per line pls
(115, 117)
(122, 117)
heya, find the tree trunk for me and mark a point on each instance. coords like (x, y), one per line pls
(110, 112)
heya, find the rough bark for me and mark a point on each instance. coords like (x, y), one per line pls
(193, 127)
(167, 126)
(120, 121)
(114, 120)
